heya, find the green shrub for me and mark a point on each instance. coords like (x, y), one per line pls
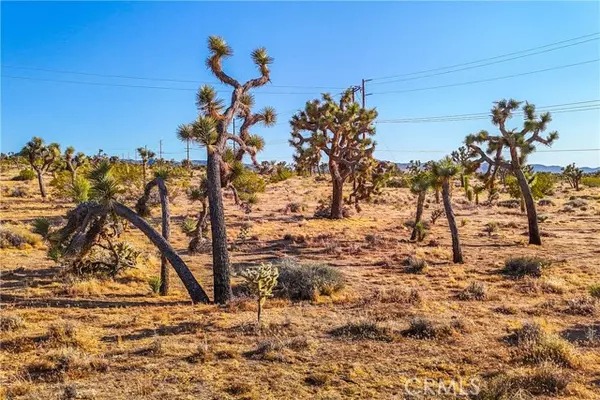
(26, 174)
(307, 281)
(525, 266)
(591, 181)
(280, 174)
(188, 226)
(154, 282)
(595, 291)
(80, 190)
(41, 226)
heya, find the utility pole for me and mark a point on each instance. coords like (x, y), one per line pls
(160, 149)
(364, 93)
(354, 90)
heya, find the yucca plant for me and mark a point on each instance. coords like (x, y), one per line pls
(146, 155)
(155, 283)
(420, 182)
(41, 226)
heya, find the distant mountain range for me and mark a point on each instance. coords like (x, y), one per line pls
(555, 169)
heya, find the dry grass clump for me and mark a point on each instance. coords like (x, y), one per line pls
(363, 330)
(274, 349)
(307, 281)
(66, 335)
(553, 285)
(15, 237)
(520, 267)
(474, 291)
(396, 295)
(582, 306)
(545, 380)
(66, 361)
(415, 265)
(11, 322)
(425, 328)
(595, 291)
(535, 345)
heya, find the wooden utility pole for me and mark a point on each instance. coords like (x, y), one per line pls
(364, 93)
(160, 149)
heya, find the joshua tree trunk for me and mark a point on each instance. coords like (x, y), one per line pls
(144, 173)
(420, 203)
(534, 232)
(194, 289)
(337, 199)
(222, 285)
(456, 250)
(199, 232)
(40, 177)
(166, 232)
(437, 195)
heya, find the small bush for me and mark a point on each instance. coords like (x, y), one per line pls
(41, 226)
(18, 192)
(544, 380)
(512, 203)
(188, 226)
(415, 265)
(26, 174)
(474, 291)
(524, 266)
(66, 335)
(581, 306)
(591, 181)
(553, 285)
(398, 296)
(80, 190)
(11, 322)
(595, 291)
(424, 328)
(294, 207)
(491, 227)
(363, 331)
(307, 281)
(545, 202)
(15, 237)
(154, 282)
(576, 203)
(537, 346)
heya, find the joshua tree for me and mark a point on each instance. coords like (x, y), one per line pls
(88, 220)
(461, 157)
(342, 131)
(443, 171)
(41, 158)
(146, 155)
(185, 133)
(199, 234)
(573, 175)
(477, 190)
(419, 184)
(520, 143)
(211, 130)
(73, 162)
(160, 178)
(261, 281)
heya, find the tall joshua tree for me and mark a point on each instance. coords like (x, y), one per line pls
(159, 181)
(185, 133)
(146, 155)
(573, 175)
(73, 161)
(41, 157)
(444, 171)
(211, 130)
(342, 131)
(519, 143)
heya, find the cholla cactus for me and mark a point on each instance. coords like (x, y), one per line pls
(261, 281)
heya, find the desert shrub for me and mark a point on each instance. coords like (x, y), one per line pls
(307, 281)
(18, 192)
(436, 214)
(545, 202)
(553, 285)
(16, 237)
(591, 181)
(129, 175)
(576, 203)
(421, 231)
(323, 209)
(543, 217)
(581, 306)
(424, 328)
(66, 334)
(474, 291)
(512, 203)
(491, 227)
(65, 362)
(247, 184)
(41, 226)
(261, 281)
(401, 181)
(26, 174)
(281, 173)
(154, 283)
(11, 322)
(415, 265)
(544, 380)
(103, 263)
(543, 185)
(188, 226)
(595, 291)
(363, 330)
(524, 266)
(535, 345)
(294, 207)
(396, 295)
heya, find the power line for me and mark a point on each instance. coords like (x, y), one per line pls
(483, 65)
(487, 59)
(154, 79)
(489, 79)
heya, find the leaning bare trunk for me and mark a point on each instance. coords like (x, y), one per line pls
(337, 199)
(456, 250)
(222, 284)
(197, 294)
(534, 232)
(166, 232)
(420, 203)
(41, 183)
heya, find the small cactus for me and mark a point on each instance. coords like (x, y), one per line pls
(261, 281)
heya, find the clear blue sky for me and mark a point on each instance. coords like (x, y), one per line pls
(314, 44)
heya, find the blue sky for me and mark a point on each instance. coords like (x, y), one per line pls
(314, 44)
